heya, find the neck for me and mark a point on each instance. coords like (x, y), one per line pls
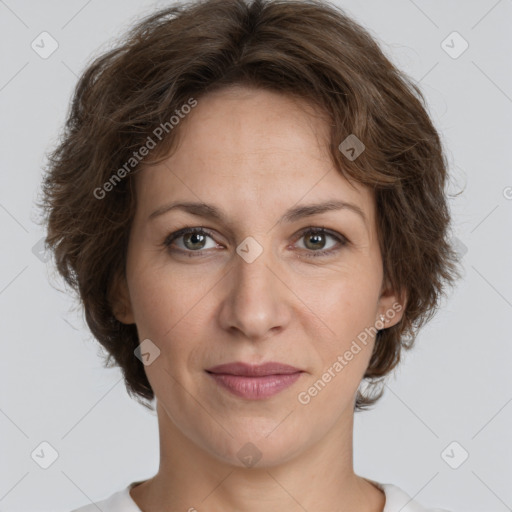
(320, 478)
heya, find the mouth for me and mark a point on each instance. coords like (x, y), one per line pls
(254, 382)
(253, 370)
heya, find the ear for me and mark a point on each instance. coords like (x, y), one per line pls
(391, 304)
(119, 299)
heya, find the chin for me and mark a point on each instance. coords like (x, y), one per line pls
(259, 445)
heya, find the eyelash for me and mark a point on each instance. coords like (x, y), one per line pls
(342, 241)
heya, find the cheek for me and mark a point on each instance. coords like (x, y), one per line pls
(172, 314)
(347, 308)
(163, 298)
(346, 302)
(342, 363)
(151, 310)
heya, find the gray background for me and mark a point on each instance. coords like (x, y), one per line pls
(455, 385)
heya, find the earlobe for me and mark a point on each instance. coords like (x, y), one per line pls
(391, 306)
(124, 315)
(120, 301)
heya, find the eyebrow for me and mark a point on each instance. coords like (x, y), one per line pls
(293, 214)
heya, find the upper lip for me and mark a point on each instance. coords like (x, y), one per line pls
(253, 370)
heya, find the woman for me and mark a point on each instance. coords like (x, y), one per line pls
(249, 200)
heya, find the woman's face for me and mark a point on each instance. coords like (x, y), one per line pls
(257, 285)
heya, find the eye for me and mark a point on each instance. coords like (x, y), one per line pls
(315, 241)
(194, 239)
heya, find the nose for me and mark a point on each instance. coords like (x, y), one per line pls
(256, 301)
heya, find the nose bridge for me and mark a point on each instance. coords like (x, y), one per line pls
(257, 298)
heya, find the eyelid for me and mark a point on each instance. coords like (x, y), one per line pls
(340, 238)
(322, 230)
(342, 241)
(185, 231)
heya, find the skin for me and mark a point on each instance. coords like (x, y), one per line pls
(253, 154)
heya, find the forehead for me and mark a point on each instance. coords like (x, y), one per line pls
(245, 121)
(250, 147)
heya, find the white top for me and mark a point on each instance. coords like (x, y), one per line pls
(396, 501)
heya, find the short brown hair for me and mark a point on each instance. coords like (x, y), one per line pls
(309, 49)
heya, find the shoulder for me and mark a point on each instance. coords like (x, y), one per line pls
(398, 500)
(120, 501)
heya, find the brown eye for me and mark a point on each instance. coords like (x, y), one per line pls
(315, 241)
(192, 240)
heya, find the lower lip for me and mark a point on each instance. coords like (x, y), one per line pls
(255, 388)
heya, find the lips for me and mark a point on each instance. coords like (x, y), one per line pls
(254, 382)
(248, 370)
